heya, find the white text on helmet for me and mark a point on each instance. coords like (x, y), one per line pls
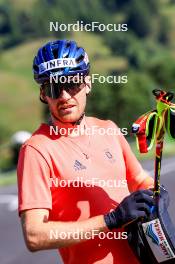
(57, 63)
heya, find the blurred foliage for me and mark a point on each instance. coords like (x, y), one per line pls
(145, 53)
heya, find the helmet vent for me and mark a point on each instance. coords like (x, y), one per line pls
(67, 44)
(55, 53)
(80, 58)
(35, 67)
(45, 53)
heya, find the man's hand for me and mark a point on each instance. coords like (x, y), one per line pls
(133, 207)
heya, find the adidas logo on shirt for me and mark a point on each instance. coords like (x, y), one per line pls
(79, 166)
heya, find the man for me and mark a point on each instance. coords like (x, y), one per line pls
(56, 171)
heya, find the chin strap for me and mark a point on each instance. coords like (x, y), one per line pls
(73, 123)
(79, 120)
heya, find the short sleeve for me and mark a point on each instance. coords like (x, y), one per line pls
(33, 174)
(133, 166)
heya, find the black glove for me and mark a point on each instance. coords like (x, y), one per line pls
(133, 207)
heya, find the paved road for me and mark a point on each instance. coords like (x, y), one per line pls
(12, 248)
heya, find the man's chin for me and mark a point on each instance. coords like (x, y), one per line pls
(67, 119)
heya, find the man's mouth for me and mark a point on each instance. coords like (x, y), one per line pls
(63, 107)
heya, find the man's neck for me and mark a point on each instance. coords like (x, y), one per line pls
(68, 127)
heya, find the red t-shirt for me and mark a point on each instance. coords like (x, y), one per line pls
(46, 160)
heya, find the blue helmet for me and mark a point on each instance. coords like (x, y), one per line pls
(62, 58)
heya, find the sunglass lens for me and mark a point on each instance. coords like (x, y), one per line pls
(55, 90)
(52, 90)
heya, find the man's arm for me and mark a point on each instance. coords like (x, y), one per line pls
(136, 177)
(147, 182)
(142, 181)
(38, 231)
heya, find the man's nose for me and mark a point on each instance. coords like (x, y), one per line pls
(64, 95)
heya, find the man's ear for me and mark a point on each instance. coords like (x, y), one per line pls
(88, 84)
(43, 98)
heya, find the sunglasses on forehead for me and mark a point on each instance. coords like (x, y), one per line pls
(54, 90)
